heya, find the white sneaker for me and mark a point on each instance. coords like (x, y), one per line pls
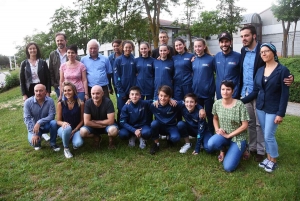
(67, 153)
(185, 147)
(37, 148)
(191, 137)
(163, 137)
(132, 141)
(142, 143)
(46, 137)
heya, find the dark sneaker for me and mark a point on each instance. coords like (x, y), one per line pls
(259, 158)
(154, 148)
(55, 147)
(271, 166)
(264, 163)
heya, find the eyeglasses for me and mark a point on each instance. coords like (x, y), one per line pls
(265, 51)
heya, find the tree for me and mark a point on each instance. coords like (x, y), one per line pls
(230, 15)
(284, 12)
(155, 7)
(207, 24)
(296, 16)
(4, 60)
(191, 7)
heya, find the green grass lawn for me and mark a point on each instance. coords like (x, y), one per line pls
(133, 174)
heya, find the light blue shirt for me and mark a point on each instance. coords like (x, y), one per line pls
(34, 113)
(248, 71)
(97, 70)
(63, 58)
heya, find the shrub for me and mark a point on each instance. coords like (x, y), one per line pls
(11, 81)
(293, 65)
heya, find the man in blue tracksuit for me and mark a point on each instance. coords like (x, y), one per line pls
(125, 78)
(134, 120)
(164, 71)
(227, 64)
(116, 44)
(145, 76)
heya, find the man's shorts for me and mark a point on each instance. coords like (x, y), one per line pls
(99, 131)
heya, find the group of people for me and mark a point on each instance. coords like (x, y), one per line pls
(169, 84)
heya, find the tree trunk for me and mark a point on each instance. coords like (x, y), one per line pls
(285, 38)
(293, 42)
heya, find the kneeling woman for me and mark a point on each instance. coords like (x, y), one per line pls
(70, 118)
(231, 123)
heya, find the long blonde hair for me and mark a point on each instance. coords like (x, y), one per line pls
(67, 83)
(206, 50)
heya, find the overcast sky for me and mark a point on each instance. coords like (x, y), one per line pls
(19, 18)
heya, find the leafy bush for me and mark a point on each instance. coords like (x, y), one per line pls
(11, 81)
(293, 65)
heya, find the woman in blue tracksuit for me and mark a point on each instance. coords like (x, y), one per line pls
(124, 74)
(183, 70)
(203, 79)
(164, 70)
(145, 72)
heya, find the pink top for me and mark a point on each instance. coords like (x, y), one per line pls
(74, 74)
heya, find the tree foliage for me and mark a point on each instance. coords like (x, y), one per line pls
(230, 15)
(286, 11)
(4, 60)
(208, 23)
(191, 8)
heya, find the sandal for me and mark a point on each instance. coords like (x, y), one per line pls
(111, 144)
(246, 154)
(221, 156)
(97, 140)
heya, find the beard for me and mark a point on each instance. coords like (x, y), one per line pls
(248, 43)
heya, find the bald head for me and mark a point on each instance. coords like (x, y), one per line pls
(97, 94)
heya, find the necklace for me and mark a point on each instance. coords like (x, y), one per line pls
(70, 102)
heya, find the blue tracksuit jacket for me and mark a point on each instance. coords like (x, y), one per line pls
(166, 115)
(164, 71)
(203, 76)
(134, 116)
(145, 75)
(124, 74)
(227, 68)
(183, 69)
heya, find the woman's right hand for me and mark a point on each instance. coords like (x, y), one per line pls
(24, 97)
(65, 124)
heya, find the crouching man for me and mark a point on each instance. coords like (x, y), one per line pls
(39, 113)
(99, 118)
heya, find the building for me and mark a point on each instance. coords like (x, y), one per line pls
(269, 30)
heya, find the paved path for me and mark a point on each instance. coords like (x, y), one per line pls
(293, 109)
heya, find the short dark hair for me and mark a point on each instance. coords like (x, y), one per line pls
(250, 27)
(164, 32)
(182, 41)
(72, 47)
(38, 52)
(228, 83)
(61, 34)
(118, 41)
(191, 95)
(127, 41)
(135, 88)
(166, 89)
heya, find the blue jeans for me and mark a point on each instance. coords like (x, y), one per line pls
(202, 138)
(233, 155)
(65, 136)
(158, 128)
(269, 129)
(125, 134)
(57, 92)
(48, 127)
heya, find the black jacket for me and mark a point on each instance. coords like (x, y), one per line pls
(26, 77)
